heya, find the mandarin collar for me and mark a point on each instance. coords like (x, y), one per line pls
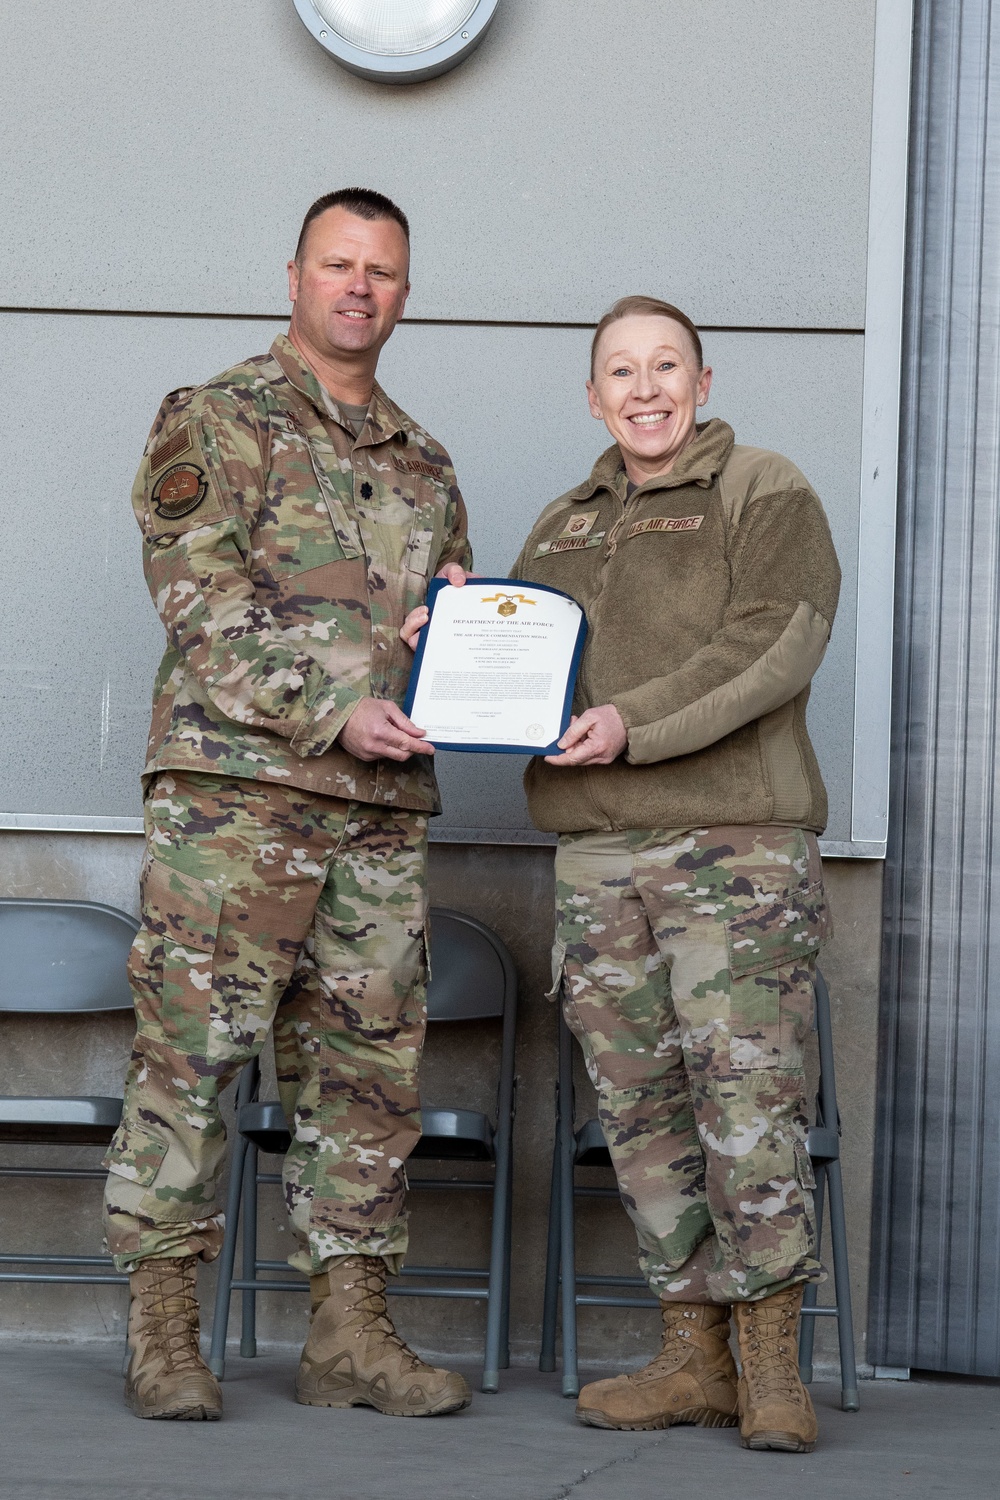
(384, 420)
(703, 458)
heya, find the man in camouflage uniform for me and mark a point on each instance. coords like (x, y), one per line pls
(291, 515)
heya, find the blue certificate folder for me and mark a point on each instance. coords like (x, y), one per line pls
(504, 586)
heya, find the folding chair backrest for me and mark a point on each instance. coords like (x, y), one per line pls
(63, 957)
(472, 974)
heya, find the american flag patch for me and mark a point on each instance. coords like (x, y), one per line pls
(180, 442)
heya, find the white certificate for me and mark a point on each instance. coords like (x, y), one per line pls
(496, 665)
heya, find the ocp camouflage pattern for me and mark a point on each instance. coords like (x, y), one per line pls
(283, 556)
(686, 963)
(267, 906)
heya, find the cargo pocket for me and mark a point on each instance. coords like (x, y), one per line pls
(171, 962)
(134, 1157)
(135, 1154)
(772, 948)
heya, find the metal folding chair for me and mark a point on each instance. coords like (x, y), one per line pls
(61, 958)
(473, 979)
(585, 1147)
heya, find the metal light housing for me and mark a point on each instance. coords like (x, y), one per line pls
(397, 41)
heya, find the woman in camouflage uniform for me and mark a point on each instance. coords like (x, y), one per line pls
(690, 901)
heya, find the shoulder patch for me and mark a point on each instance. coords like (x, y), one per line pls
(179, 491)
(171, 447)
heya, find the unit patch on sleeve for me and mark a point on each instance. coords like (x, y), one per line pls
(665, 523)
(179, 491)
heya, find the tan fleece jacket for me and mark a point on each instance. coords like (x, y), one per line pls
(709, 594)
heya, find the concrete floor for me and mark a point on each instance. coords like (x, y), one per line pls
(66, 1433)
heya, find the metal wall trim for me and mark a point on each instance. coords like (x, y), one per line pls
(880, 420)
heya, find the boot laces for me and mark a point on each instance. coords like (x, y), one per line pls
(774, 1368)
(170, 1305)
(375, 1314)
(677, 1342)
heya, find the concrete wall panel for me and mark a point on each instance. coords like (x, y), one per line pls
(82, 640)
(718, 149)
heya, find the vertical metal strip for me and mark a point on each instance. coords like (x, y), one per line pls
(880, 420)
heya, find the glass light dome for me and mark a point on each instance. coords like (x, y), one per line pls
(395, 28)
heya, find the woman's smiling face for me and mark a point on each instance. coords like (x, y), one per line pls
(646, 389)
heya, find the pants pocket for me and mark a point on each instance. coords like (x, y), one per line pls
(134, 1158)
(171, 963)
(135, 1154)
(772, 951)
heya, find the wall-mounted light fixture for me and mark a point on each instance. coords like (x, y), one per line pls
(398, 41)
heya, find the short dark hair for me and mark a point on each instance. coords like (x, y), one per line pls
(365, 203)
(630, 307)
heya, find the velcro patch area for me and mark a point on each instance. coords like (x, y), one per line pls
(580, 524)
(171, 447)
(569, 544)
(179, 491)
(665, 523)
(416, 466)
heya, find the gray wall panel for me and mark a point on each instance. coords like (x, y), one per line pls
(159, 158)
(80, 636)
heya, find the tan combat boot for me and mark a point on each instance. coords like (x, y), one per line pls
(354, 1357)
(692, 1381)
(775, 1409)
(166, 1375)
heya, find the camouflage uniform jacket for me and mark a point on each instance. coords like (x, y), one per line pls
(283, 555)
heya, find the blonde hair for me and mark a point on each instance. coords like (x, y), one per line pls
(644, 307)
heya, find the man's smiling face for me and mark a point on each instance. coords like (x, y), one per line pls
(647, 387)
(349, 285)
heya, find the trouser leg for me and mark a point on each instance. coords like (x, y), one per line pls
(230, 883)
(348, 1038)
(617, 1002)
(739, 915)
(713, 1171)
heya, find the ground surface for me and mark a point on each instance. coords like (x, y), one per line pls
(66, 1433)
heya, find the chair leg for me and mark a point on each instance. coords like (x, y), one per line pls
(248, 1336)
(227, 1260)
(807, 1327)
(550, 1301)
(499, 1264)
(507, 1256)
(567, 1226)
(849, 1397)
